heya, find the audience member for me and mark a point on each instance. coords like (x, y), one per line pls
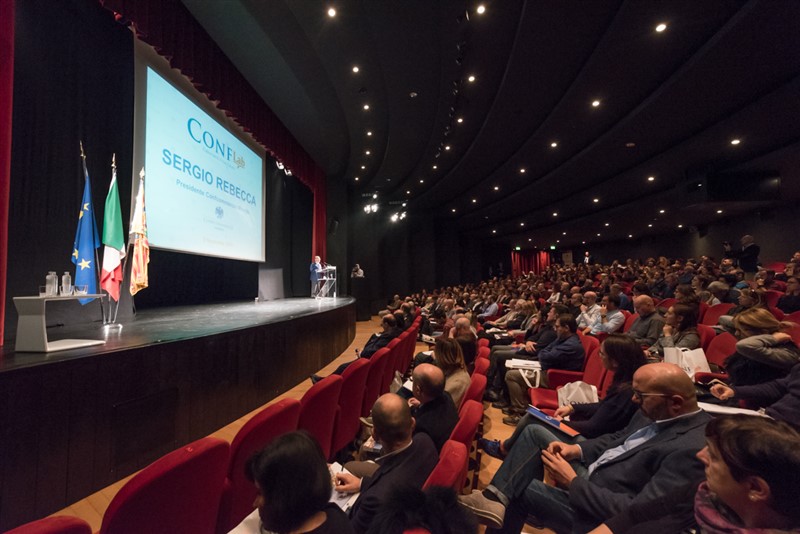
(679, 330)
(435, 511)
(646, 328)
(294, 488)
(747, 257)
(790, 301)
(449, 358)
(748, 298)
(406, 460)
(589, 310)
(609, 320)
(599, 478)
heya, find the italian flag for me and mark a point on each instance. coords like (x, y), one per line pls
(114, 241)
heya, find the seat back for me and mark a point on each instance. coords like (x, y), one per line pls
(178, 493)
(483, 342)
(714, 312)
(590, 344)
(629, 320)
(771, 297)
(666, 303)
(319, 409)
(481, 366)
(483, 352)
(451, 469)
(595, 371)
(701, 312)
(707, 335)
(608, 378)
(476, 389)
(469, 417)
(719, 349)
(238, 494)
(351, 398)
(58, 524)
(377, 364)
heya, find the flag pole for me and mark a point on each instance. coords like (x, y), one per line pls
(125, 260)
(94, 228)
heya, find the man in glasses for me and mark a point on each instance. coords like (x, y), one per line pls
(598, 478)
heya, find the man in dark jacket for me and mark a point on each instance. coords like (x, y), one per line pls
(431, 406)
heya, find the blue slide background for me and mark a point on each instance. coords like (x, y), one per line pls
(203, 187)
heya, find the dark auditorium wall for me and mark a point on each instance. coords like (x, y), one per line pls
(73, 80)
(775, 231)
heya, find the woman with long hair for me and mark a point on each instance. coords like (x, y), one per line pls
(764, 352)
(680, 330)
(621, 355)
(449, 358)
(748, 298)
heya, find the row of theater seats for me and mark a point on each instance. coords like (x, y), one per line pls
(202, 487)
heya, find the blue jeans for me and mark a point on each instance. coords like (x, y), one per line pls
(518, 484)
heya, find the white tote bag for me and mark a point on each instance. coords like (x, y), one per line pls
(577, 393)
(690, 360)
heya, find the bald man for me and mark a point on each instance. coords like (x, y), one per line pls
(598, 478)
(432, 407)
(406, 460)
(647, 327)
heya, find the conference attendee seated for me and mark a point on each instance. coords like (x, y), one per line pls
(646, 328)
(621, 355)
(294, 488)
(679, 330)
(752, 471)
(790, 301)
(375, 342)
(748, 298)
(449, 358)
(407, 460)
(490, 309)
(764, 351)
(566, 352)
(609, 320)
(590, 310)
(431, 406)
(433, 511)
(462, 333)
(601, 477)
(625, 302)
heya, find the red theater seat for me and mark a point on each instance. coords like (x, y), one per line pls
(60, 524)
(354, 381)
(451, 469)
(319, 409)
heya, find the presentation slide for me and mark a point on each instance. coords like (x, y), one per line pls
(204, 191)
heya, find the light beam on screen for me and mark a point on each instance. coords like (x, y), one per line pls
(204, 191)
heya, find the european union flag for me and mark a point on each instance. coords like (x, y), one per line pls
(86, 241)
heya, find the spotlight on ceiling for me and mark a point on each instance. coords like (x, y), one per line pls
(481, 9)
(661, 27)
(331, 12)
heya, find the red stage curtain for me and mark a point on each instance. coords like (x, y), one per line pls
(170, 28)
(6, 99)
(528, 261)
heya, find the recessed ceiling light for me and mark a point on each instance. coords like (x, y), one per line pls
(583, 242)
(496, 188)
(369, 132)
(413, 94)
(630, 235)
(558, 241)
(435, 167)
(651, 178)
(474, 200)
(471, 78)
(331, 12)
(680, 226)
(522, 224)
(355, 68)
(459, 120)
(735, 141)
(356, 178)
(481, 9)
(595, 200)
(565, 233)
(454, 210)
(598, 234)
(661, 211)
(408, 192)
(404, 204)
(530, 239)
(522, 170)
(363, 166)
(367, 152)
(494, 231)
(555, 214)
(719, 211)
(650, 225)
(421, 180)
(630, 144)
(595, 103)
(661, 27)
(553, 144)
(606, 224)
(447, 147)
(366, 107)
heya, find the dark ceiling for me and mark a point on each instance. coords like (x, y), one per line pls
(533, 162)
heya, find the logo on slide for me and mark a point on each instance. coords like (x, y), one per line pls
(219, 212)
(217, 146)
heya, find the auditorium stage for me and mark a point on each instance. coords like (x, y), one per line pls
(73, 422)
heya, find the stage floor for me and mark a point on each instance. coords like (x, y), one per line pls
(164, 325)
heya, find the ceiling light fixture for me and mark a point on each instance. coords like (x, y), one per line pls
(413, 94)
(650, 225)
(651, 178)
(481, 9)
(435, 167)
(421, 181)
(474, 200)
(363, 167)
(530, 239)
(630, 235)
(719, 211)
(369, 133)
(555, 214)
(680, 226)
(661, 27)
(331, 12)
(496, 188)
(454, 210)
(522, 170)
(595, 103)
(356, 178)
(565, 233)
(355, 68)
(471, 78)
(408, 192)
(606, 224)
(553, 144)
(367, 152)
(735, 141)
(522, 224)
(366, 107)
(595, 200)
(447, 147)
(630, 144)
(661, 211)
(494, 231)
(459, 120)
(598, 234)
